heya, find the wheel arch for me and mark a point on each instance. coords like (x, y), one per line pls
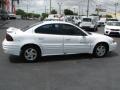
(105, 43)
(32, 45)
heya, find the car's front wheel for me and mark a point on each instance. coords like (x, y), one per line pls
(31, 54)
(100, 50)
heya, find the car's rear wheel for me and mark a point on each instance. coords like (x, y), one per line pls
(101, 50)
(31, 54)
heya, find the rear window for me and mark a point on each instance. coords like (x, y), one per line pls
(87, 19)
(111, 20)
(30, 26)
(113, 23)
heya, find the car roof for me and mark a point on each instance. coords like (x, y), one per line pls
(59, 22)
(47, 22)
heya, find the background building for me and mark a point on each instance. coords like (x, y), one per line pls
(2, 4)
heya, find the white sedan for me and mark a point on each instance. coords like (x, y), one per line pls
(112, 28)
(55, 38)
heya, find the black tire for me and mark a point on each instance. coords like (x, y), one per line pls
(100, 50)
(31, 53)
(95, 29)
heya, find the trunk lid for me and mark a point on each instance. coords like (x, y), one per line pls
(13, 30)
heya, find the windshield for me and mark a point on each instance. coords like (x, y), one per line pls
(111, 20)
(30, 26)
(113, 23)
(87, 19)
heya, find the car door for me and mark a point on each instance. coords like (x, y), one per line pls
(75, 40)
(50, 39)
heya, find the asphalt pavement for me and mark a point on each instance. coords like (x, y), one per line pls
(71, 72)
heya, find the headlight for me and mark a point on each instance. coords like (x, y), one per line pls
(113, 41)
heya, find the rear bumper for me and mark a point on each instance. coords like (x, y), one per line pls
(10, 48)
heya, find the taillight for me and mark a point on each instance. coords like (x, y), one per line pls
(9, 38)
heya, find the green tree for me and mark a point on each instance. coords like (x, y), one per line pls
(20, 12)
(108, 16)
(44, 15)
(68, 12)
(53, 11)
(94, 15)
(36, 15)
(30, 15)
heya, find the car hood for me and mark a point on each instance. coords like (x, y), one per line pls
(113, 27)
(101, 37)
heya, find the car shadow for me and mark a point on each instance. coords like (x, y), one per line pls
(77, 57)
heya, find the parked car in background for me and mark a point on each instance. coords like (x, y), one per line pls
(103, 21)
(55, 17)
(76, 20)
(87, 23)
(112, 28)
(11, 16)
(55, 38)
(100, 23)
(3, 15)
(69, 19)
(52, 19)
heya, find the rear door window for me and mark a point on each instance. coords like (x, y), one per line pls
(49, 29)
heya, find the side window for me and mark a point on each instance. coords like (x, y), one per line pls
(72, 30)
(49, 29)
(56, 29)
(77, 31)
(44, 29)
(67, 29)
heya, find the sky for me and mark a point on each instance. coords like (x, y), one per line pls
(38, 6)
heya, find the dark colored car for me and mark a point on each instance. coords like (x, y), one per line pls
(3, 15)
(11, 16)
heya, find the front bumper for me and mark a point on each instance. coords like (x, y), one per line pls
(112, 46)
(110, 32)
(10, 48)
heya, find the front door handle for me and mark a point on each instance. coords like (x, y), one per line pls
(41, 38)
(68, 39)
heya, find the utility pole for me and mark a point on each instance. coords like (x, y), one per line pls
(116, 4)
(27, 6)
(88, 7)
(45, 9)
(12, 2)
(60, 4)
(98, 8)
(50, 6)
(45, 6)
(79, 10)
